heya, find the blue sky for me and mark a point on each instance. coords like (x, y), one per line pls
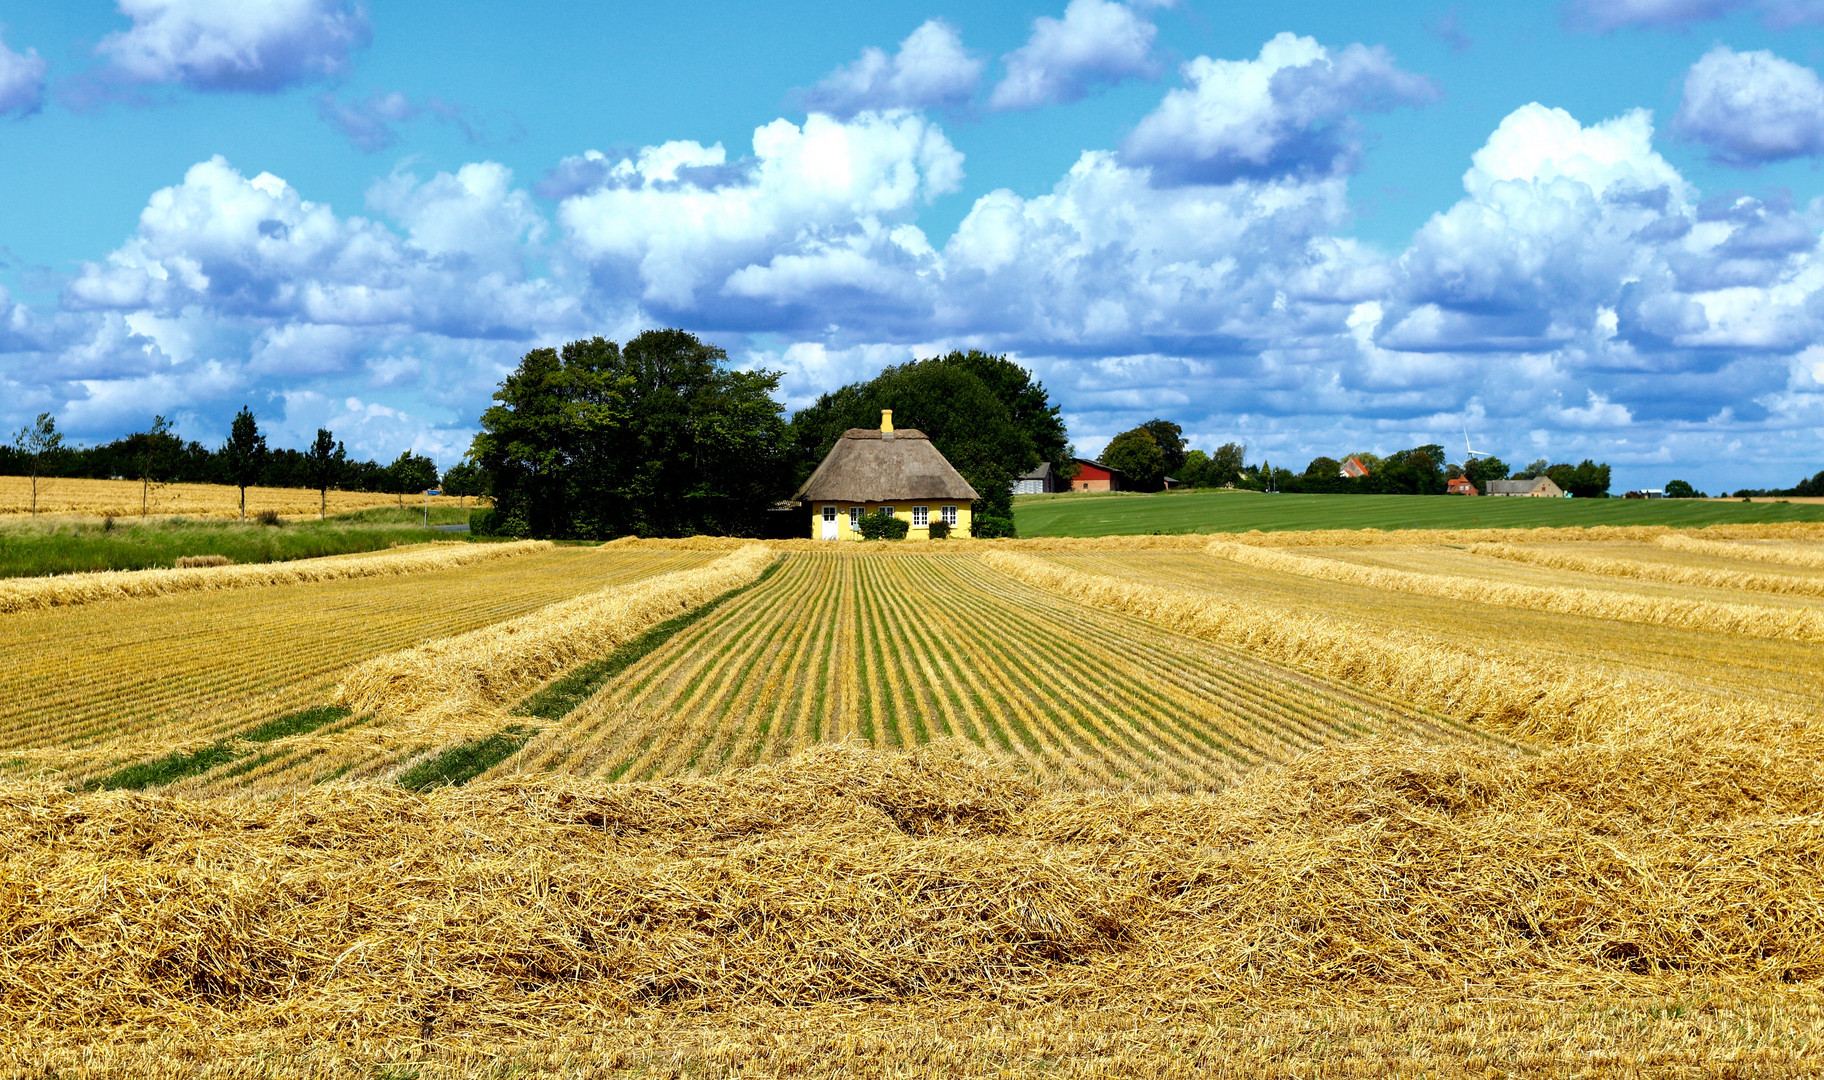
(1580, 230)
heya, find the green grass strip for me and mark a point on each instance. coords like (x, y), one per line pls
(298, 723)
(174, 767)
(561, 696)
(465, 761)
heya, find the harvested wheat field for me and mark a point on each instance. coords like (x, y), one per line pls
(127, 498)
(1521, 803)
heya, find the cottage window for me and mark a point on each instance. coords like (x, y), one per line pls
(829, 513)
(921, 517)
(855, 517)
(950, 516)
(887, 510)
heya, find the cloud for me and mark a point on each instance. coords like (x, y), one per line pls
(675, 222)
(1449, 29)
(21, 81)
(1287, 112)
(932, 70)
(1603, 16)
(227, 45)
(1750, 108)
(368, 122)
(1097, 43)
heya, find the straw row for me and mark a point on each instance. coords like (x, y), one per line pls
(1749, 620)
(1704, 576)
(500, 913)
(494, 665)
(64, 590)
(1555, 701)
(1791, 556)
(123, 498)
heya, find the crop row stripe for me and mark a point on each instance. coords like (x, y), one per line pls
(1747, 620)
(63, 590)
(1704, 576)
(1792, 555)
(1556, 701)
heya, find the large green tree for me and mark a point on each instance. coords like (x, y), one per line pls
(1139, 458)
(981, 412)
(657, 438)
(1170, 438)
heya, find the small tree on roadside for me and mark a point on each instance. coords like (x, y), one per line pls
(154, 454)
(40, 443)
(243, 456)
(323, 463)
(463, 479)
(411, 473)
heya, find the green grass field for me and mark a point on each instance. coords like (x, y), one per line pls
(1128, 513)
(63, 547)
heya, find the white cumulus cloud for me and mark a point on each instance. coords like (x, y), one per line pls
(260, 45)
(1752, 107)
(1096, 43)
(931, 70)
(1286, 111)
(21, 81)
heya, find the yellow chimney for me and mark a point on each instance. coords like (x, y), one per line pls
(886, 421)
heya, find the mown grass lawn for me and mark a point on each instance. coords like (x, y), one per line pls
(1127, 513)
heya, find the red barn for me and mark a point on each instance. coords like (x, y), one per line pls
(1094, 477)
(1461, 485)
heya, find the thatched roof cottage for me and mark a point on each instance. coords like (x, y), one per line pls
(898, 471)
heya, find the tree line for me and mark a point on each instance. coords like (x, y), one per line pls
(1147, 455)
(660, 437)
(158, 456)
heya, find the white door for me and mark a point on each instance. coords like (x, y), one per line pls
(829, 522)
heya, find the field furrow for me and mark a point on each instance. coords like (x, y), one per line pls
(898, 650)
(87, 688)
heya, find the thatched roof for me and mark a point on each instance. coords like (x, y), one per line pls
(884, 466)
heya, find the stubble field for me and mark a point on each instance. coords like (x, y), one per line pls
(1489, 803)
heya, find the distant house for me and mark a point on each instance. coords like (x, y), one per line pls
(896, 471)
(1171, 482)
(1092, 476)
(1539, 487)
(1461, 485)
(1040, 481)
(1353, 469)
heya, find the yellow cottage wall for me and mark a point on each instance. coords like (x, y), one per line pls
(901, 510)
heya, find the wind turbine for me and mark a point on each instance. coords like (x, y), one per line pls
(1468, 454)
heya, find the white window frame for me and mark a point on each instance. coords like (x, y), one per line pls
(829, 512)
(887, 510)
(854, 518)
(921, 517)
(949, 514)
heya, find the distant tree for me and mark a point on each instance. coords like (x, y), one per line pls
(243, 456)
(1196, 469)
(1137, 455)
(1226, 463)
(1418, 471)
(1170, 438)
(1679, 489)
(323, 464)
(1585, 480)
(463, 479)
(659, 438)
(411, 474)
(40, 444)
(1325, 468)
(1481, 470)
(1533, 471)
(154, 454)
(1812, 488)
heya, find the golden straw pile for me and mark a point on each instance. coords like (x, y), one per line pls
(494, 665)
(1708, 577)
(503, 915)
(123, 498)
(1791, 555)
(1750, 620)
(62, 590)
